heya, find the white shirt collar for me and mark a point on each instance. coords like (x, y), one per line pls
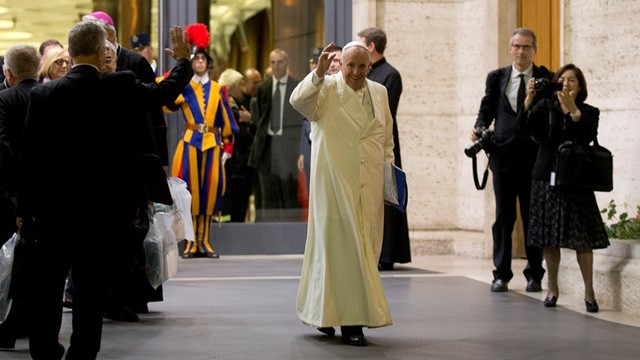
(527, 73)
(282, 80)
(201, 79)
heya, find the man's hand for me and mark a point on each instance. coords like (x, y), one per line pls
(245, 115)
(179, 43)
(325, 59)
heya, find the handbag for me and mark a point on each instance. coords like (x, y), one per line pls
(587, 167)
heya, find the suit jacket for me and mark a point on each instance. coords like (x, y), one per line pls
(13, 110)
(511, 142)
(131, 60)
(260, 155)
(95, 110)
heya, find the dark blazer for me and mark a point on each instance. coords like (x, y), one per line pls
(551, 131)
(96, 109)
(510, 141)
(291, 121)
(131, 60)
(13, 110)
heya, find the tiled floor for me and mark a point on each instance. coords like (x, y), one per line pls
(243, 307)
(480, 269)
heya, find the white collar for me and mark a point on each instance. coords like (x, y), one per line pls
(527, 73)
(201, 79)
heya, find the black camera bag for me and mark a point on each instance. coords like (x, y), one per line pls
(588, 167)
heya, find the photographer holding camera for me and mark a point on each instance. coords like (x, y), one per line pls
(512, 158)
(562, 217)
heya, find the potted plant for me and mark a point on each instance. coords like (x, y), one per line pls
(622, 226)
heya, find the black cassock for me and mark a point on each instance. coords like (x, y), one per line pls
(395, 244)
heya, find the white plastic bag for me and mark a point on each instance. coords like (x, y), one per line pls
(154, 253)
(182, 203)
(6, 265)
(169, 244)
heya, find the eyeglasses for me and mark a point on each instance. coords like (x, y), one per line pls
(59, 62)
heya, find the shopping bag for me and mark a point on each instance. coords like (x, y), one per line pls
(169, 245)
(183, 227)
(6, 265)
(154, 253)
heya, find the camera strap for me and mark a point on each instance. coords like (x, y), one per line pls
(474, 168)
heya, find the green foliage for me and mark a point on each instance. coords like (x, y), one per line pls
(622, 226)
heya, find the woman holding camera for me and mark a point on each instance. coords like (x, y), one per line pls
(562, 217)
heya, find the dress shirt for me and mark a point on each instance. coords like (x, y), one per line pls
(514, 84)
(283, 89)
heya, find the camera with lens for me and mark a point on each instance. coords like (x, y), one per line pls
(546, 84)
(485, 141)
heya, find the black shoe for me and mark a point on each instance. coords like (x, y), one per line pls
(121, 314)
(550, 301)
(54, 354)
(7, 342)
(499, 285)
(7, 336)
(140, 309)
(385, 266)
(67, 304)
(534, 286)
(327, 331)
(354, 340)
(187, 255)
(592, 306)
(212, 255)
(352, 335)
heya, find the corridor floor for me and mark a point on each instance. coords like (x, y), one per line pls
(243, 307)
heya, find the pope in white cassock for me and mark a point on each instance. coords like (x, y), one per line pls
(351, 138)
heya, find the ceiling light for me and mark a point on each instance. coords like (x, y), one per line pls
(15, 35)
(4, 10)
(6, 24)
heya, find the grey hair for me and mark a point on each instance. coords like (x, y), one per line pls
(527, 33)
(23, 60)
(86, 38)
(230, 77)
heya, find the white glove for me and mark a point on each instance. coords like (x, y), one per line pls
(225, 156)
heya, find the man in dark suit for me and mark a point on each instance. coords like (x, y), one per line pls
(134, 289)
(21, 69)
(274, 151)
(54, 171)
(511, 162)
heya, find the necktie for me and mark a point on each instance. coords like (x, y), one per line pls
(521, 92)
(276, 113)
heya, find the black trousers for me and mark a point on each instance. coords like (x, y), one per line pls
(85, 245)
(510, 186)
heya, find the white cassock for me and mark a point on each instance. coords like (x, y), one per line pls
(340, 284)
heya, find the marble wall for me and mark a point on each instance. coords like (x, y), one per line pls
(444, 50)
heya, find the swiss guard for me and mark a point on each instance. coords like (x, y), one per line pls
(205, 145)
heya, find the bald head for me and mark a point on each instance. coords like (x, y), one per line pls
(253, 79)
